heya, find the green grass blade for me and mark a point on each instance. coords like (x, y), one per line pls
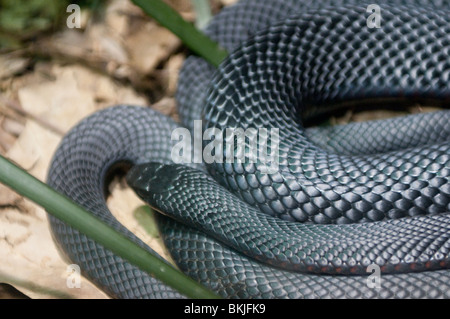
(187, 32)
(73, 214)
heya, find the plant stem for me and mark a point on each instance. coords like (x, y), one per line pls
(73, 214)
(187, 32)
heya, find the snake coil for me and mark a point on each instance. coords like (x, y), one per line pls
(343, 198)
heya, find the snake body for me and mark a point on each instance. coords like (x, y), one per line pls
(343, 198)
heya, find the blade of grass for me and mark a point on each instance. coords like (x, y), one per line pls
(187, 32)
(73, 214)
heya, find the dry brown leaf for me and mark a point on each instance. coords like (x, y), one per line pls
(76, 92)
(106, 44)
(6, 140)
(30, 260)
(117, 16)
(11, 126)
(171, 72)
(147, 55)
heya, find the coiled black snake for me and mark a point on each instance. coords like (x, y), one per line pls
(365, 193)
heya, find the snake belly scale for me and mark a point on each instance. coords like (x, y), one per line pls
(343, 197)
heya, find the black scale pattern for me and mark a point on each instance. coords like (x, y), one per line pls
(322, 58)
(194, 198)
(234, 276)
(412, 181)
